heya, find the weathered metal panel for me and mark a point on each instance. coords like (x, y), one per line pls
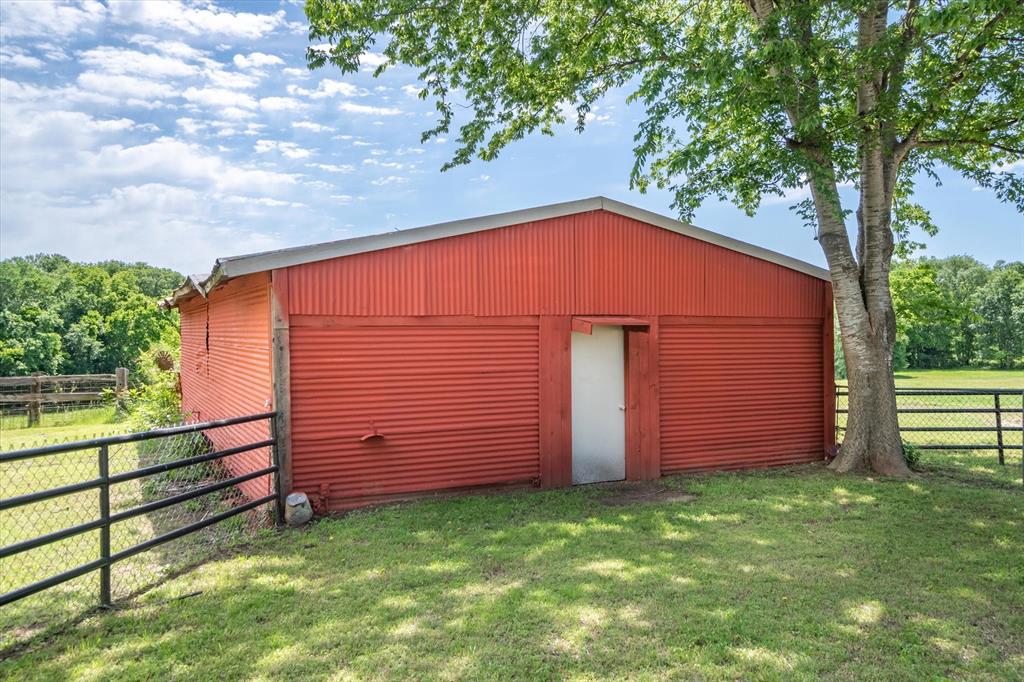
(739, 394)
(194, 368)
(454, 406)
(225, 368)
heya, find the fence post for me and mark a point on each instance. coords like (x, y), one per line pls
(120, 379)
(999, 430)
(105, 528)
(275, 459)
(35, 407)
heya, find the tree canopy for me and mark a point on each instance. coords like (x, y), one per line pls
(742, 99)
(57, 316)
(956, 311)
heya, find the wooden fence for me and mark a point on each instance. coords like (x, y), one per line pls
(32, 393)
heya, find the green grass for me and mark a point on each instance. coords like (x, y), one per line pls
(52, 607)
(767, 575)
(960, 378)
(102, 416)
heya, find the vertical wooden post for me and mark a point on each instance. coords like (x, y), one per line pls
(280, 343)
(999, 430)
(120, 379)
(35, 405)
(555, 376)
(828, 376)
(104, 466)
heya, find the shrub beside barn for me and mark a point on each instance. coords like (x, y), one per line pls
(572, 343)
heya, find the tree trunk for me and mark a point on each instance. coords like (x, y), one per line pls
(871, 441)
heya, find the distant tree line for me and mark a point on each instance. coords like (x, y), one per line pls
(62, 317)
(956, 312)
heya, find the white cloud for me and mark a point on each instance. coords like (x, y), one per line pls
(342, 198)
(296, 73)
(219, 97)
(176, 162)
(236, 113)
(311, 126)
(256, 60)
(412, 90)
(171, 48)
(389, 180)
(196, 19)
(394, 165)
(120, 60)
(1009, 166)
(131, 89)
(332, 168)
(232, 80)
(191, 126)
(353, 108)
(281, 104)
(327, 88)
(49, 18)
(371, 60)
(289, 150)
(15, 57)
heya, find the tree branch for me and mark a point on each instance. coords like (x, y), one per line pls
(963, 60)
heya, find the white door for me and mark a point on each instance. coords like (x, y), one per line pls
(598, 406)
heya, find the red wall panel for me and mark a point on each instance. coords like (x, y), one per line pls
(225, 368)
(457, 406)
(740, 393)
(593, 263)
(457, 351)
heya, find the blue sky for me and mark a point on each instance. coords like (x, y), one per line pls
(176, 132)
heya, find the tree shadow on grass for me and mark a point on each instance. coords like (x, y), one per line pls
(768, 575)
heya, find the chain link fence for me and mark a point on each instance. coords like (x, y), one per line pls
(139, 500)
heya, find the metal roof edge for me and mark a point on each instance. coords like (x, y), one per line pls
(243, 265)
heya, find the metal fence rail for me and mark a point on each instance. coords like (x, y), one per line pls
(955, 418)
(172, 489)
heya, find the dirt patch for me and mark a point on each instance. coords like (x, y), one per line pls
(624, 493)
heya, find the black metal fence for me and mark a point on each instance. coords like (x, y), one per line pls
(98, 506)
(983, 419)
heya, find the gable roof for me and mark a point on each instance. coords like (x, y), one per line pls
(236, 266)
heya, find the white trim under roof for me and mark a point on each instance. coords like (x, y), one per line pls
(236, 266)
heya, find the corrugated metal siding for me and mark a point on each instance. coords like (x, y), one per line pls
(595, 263)
(624, 267)
(233, 377)
(194, 357)
(737, 395)
(458, 406)
(526, 269)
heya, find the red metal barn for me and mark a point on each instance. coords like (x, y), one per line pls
(571, 343)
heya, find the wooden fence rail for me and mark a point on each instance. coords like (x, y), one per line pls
(38, 389)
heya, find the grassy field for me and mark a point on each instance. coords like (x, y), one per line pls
(960, 378)
(773, 574)
(61, 423)
(765, 575)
